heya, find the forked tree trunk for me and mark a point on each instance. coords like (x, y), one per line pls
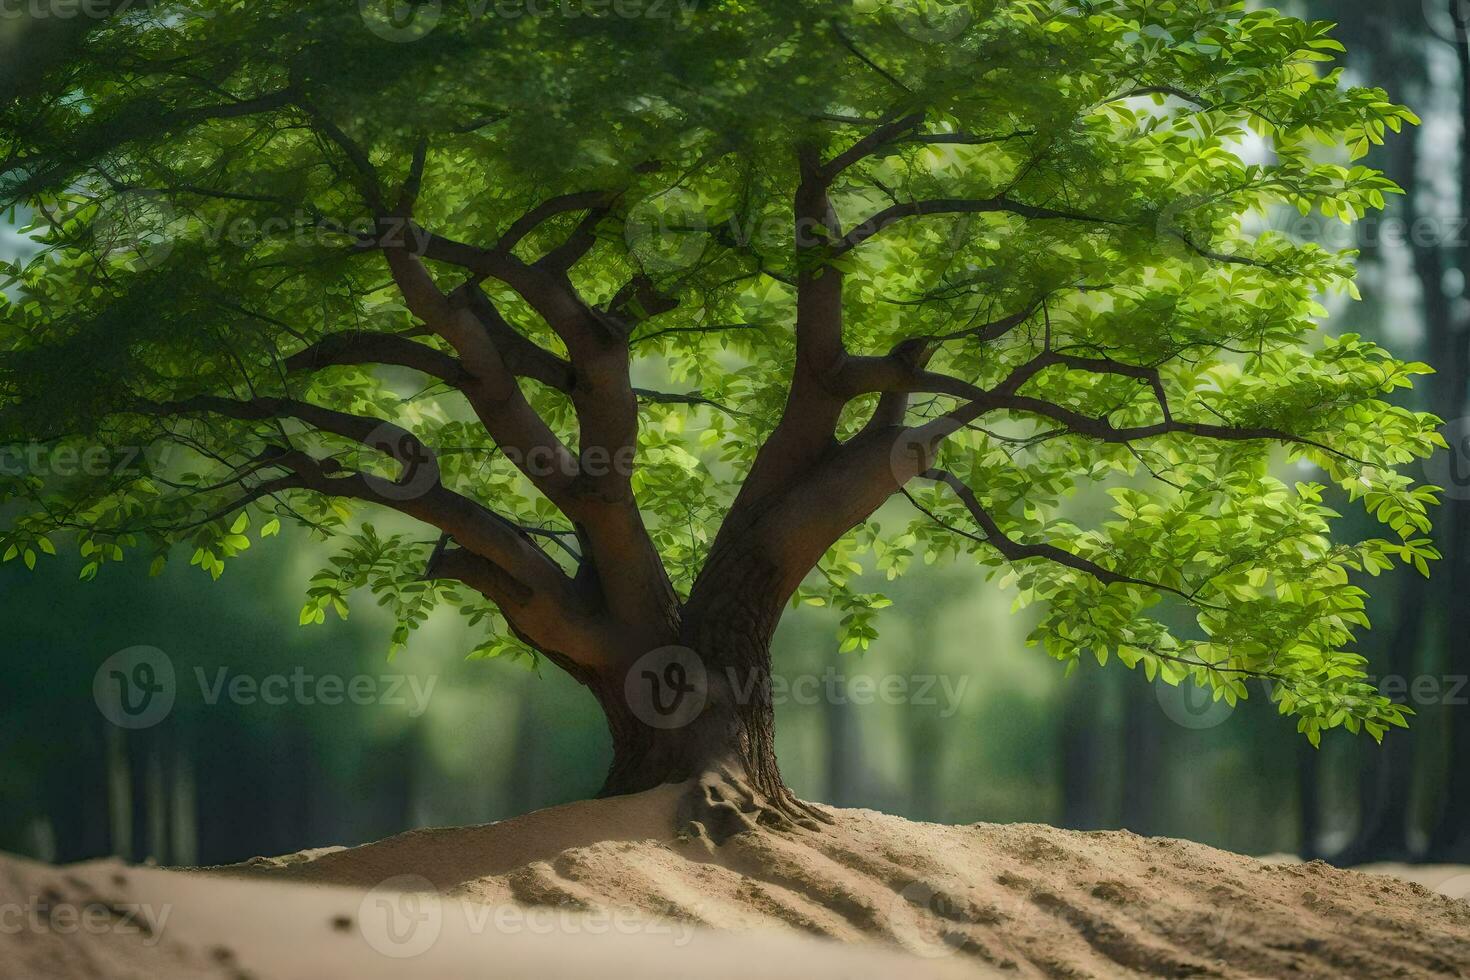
(700, 711)
(680, 716)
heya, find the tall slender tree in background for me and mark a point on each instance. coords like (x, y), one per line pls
(1397, 45)
(1450, 836)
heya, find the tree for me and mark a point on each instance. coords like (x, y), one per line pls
(644, 313)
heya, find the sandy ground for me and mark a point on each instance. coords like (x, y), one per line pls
(605, 888)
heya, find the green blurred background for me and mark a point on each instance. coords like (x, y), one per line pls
(949, 717)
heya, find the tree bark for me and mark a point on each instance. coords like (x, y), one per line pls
(732, 726)
(699, 711)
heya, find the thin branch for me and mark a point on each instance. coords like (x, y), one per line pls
(378, 348)
(714, 328)
(888, 216)
(686, 398)
(1014, 550)
(850, 45)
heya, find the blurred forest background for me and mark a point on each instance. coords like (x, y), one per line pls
(948, 717)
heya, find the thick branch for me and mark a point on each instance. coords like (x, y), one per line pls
(1095, 365)
(889, 137)
(364, 175)
(814, 401)
(1223, 257)
(1101, 428)
(683, 398)
(377, 348)
(375, 433)
(871, 143)
(523, 357)
(978, 401)
(594, 490)
(495, 557)
(583, 331)
(125, 128)
(469, 322)
(512, 569)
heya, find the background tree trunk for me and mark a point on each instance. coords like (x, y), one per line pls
(1449, 838)
(1082, 758)
(1142, 760)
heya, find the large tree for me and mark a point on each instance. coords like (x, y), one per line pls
(643, 311)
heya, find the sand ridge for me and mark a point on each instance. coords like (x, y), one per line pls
(1021, 900)
(151, 924)
(611, 888)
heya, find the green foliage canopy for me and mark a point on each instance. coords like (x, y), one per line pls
(1044, 219)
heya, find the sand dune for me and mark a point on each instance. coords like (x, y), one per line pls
(607, 888)
(108, 921)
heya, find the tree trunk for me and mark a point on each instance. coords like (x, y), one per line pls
(1309, 801)
(679, 716)
(1386, 771)
(1449, 837)
(1081, 759)
(844, 752)
(1142, 760)
(700, 710)
(675, 716)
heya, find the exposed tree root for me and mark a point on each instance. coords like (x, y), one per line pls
(723, 802)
